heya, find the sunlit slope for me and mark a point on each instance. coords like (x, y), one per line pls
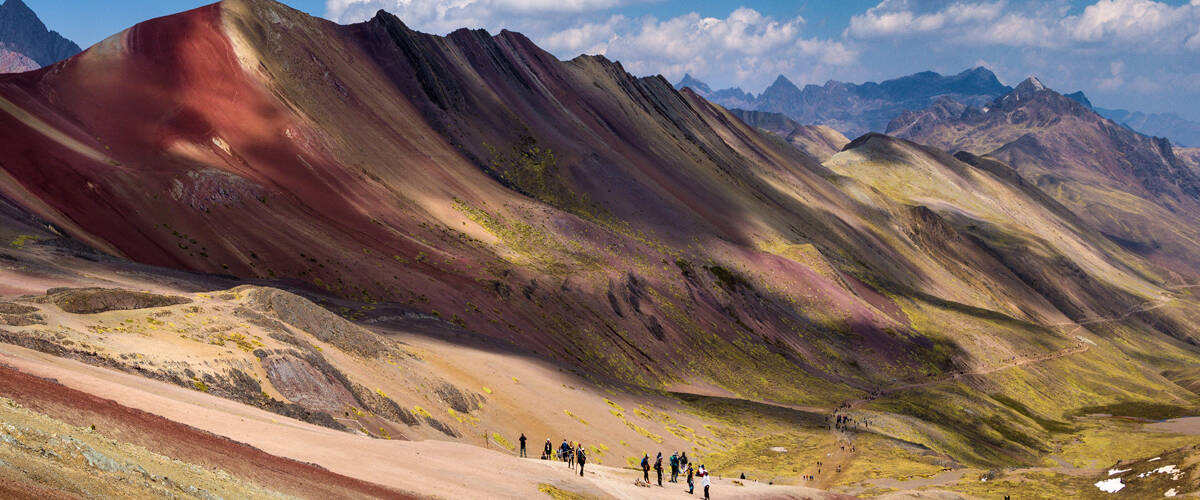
(605, 222)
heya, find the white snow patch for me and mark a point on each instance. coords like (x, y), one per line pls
(1166, 469)
(1155, 459)
(1110, 485)
(1113, 472)
(779, 449)
(1170, 493)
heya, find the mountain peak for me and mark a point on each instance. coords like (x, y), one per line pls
(1031, 85)
(21, 31)
(783, 82)
(689, 81)
(1080, 98)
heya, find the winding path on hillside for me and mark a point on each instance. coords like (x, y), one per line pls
(1082, 345)
(838, 460)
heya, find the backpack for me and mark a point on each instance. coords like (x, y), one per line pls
(645, 463)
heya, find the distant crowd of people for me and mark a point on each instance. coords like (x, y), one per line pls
(573, 454)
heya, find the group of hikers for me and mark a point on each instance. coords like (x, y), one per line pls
(573, 453)
(846, 422)
(679, 465)
(569, 452)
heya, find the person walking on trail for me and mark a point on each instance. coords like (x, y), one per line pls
(658, 468)
(675, 467)
(570, 451)
(683, 461)
(563, 450)
(546, 453)
(522, 440)
(646, 467)
(705, 481)
(690, 480)
(581, 456)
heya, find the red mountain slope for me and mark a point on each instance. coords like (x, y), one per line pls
(606, 221)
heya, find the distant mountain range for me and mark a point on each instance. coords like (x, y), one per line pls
(855, 109)
(1181, 131)
(1081, 158)
(25, 42)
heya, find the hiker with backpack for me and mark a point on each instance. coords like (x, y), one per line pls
(646, 468)
(522, 440)
(549, 451)
(658, 468)
(691, 482)
(674, 467)
(581, 457)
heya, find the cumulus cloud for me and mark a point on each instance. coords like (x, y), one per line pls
(1140, 25)
(440, 16)
(1117, 48)
(745, 47)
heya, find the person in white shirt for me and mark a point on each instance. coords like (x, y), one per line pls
(705, 481)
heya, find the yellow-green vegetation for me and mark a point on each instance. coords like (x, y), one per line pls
(1103, 441)
(1036, 485)
(22, 239)
(463, 417)
(422, 412)
(560, 494)
(500, 440)
(877, 457)
(536, 246)
(199, 385)
(635, 427)
(756, 454)
(1138, 409)
(576, 417)
(240, 340)
(487, 389)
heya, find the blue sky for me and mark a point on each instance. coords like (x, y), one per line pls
(1136, 54)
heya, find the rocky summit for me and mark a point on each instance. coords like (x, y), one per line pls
(25, 43)
(854, 109)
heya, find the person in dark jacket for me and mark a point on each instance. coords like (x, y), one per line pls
(674, 467)
(522, 440)
(658, 467)
(646, 468)
(581, 457)
(549, 451)
(683, 461)
(690, 480)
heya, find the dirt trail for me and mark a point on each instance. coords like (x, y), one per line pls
(422, 468)
(837, 461)
(1082, 345)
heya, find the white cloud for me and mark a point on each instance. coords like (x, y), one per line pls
(441, 16)
(745, 47)
(1118, 48)
(1135, 25)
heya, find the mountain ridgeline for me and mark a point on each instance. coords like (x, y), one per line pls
(25, 42)
(632, 232)
(854, 109)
